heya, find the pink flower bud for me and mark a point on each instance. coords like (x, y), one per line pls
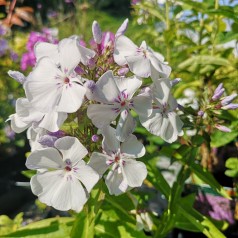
(175, 81)
(123, 71)
(95, 138)
(122, 29)
(200, 113)
(227, 100)
(97, 33)
(223, 128)
(231, 106)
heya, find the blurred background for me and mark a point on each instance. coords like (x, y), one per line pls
(198, 39)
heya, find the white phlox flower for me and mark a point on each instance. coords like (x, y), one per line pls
(124, 171)
(142, 61)
(51, 87)
(45, 49)
(163, 121)
(26, 116)
(63, 179)
(116, 97)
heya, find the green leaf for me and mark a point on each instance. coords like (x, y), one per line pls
(232, 165)
(207, 178)
(226, 37)
(204, 60)
(28, 173)
(219, 138)
(48, 228)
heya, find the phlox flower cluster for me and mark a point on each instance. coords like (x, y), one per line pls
(216, 104)
(102, 91)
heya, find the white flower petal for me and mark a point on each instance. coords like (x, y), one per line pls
(45, 158)
(153, 122)
(135, 172)
(41, 86)
(17, 124)
(88, 176)
(110, 143)
(44, 184)
(102, 115)
(72, 98)
(142, 104)
(132, 147)
(125, 126)
(176, 123)
(85, 54)
(69, 195)
(139, 65)
(161, 90)
(69, 55)
(128, 85)
(163, 69)
(167, 132)
(26, 112)
(43, 49)
(53, 120)
(115, 182)
(123, 47)
(98, 162)
(71, 148)
(108, 87)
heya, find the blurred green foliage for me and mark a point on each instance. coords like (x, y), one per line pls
(191, 35)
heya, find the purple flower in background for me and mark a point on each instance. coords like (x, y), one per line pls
(3, 31)
(9, 132)
(3, 47)
(217, 207)
(14, 56)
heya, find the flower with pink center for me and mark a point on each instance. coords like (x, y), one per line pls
(163, 121)
(119, 158)
(63, 179)
(142, 61)
(115, 95)
(52, 87)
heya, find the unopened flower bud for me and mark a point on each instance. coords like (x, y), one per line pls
(18, 76)
(91, 63)
(107, 39)
(218, 89)
(231, 106)
(122, 71)
(223, 128)
(48, 140)
(200, 113)
(122, 29)
(227, 100)
(218, 94)
(95, 138)
(97, 33)
(79, 70)
(175, 81)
